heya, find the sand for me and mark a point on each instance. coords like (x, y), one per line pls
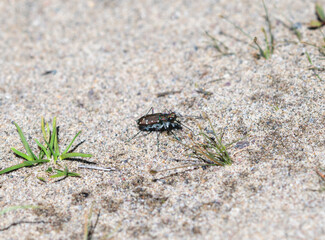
(111, 59)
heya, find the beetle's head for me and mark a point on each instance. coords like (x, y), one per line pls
(172, 117)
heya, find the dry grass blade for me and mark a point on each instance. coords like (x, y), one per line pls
(87, 226)
(320, 174)
(13, 208)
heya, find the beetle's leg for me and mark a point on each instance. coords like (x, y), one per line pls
(150, 109)
(158, 141)
(166, 125)
(182, 124)
(144, 134)
(134, 136)
(166, 111)
(175, 136)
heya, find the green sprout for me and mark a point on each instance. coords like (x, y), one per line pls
(49, 151)
(268, 36)
(314, 24)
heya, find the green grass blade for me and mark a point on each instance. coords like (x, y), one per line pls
(320, 12)
(262, 53)
(49, 147)
(56, 146)
(56, 143)
(48, 155)
(65, 173)
(53, 133)
(309, 59)
(61, 174)
(45, 136)
(237, 27)
(218, 44)
(48, 132)
(41, 179)
(67, 149)
(269, 28)
(23, 139)
(315, 24)
(73, 174)
(71, 155)
(15, 167)
(23, 155)
(13, 208)
(268, 45)
(21, 165)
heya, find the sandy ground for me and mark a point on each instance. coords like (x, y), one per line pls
(111, 59)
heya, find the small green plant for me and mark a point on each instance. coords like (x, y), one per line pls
(268, 36)
(314, 24)
(209, 148)
(49, 151)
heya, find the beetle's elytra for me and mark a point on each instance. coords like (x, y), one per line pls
(158, 122)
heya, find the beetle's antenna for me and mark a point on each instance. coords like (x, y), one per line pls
(182, 124)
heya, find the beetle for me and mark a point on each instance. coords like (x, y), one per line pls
(158, 122)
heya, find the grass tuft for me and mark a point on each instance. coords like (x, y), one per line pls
(49, 151)
(209, 147)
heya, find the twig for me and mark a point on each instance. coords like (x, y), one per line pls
(97, 168)
(320, 174)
